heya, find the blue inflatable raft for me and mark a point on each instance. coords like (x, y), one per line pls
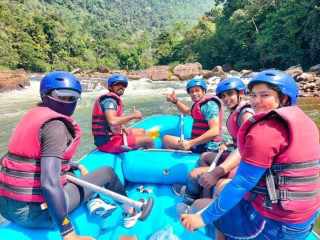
(152, 170)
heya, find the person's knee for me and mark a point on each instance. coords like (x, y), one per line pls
(109, 171)
(202, 161)
(220, 186)
(201, 203)
(148, 141)
(144, 141)
(193, 175)
(170, 141)
(165, 139)
(141, 131)
(206, 159)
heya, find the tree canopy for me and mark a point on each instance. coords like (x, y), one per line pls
(45, 35)
(254, 34)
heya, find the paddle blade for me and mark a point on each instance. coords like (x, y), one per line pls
(146, 208)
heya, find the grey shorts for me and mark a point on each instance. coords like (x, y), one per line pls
(26, 214)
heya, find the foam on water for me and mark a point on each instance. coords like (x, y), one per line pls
(146, 95)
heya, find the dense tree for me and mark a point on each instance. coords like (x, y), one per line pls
(255, 34)
(43, 35)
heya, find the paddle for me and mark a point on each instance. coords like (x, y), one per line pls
(181, 127)
(215, 161)
(145, 207)
(212, 166)
(125, 146)
(166, 150)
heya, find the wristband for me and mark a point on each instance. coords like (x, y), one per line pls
(175, 101)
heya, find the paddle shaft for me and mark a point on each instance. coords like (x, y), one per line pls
(117, 197)
(125, 141)
(215, 161)
(125, 146)
(212, 166)
(181, 127)
(166, 150)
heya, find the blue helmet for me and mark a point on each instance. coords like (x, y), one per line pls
(117, 78)
(230, 83)
(282, 80)
(196, 82)
(60, 80)
(61, 84)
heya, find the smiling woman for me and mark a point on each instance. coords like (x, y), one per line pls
(264, 98)
(289, 141)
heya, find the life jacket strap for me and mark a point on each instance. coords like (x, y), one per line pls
(199, 121)
(281, 167)
(33, 161)
(286, 180)
(25, 175)
(271, 186)
(17, 158)
(97, 118)
(24, 191)
(273, 194)
(284, 194)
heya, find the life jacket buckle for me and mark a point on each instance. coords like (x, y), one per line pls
(280, 180)
(276, 168)
(283, 194)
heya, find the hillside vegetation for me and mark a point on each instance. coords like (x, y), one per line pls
(47, 35)
(40, 35)
(250, 34)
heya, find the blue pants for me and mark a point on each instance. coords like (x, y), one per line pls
(244, 222)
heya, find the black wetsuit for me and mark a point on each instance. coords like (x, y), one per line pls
(55, 138)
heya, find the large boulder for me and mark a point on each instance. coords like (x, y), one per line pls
(13, 80)
(156, 73)
(294, 71)
(315, 69)
(76, 71)
(188, 70)
(227, 67)
(306, 77)
(102, 69)
(217, 71)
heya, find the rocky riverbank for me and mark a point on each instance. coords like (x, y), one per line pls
(13, 80)
(308, 82)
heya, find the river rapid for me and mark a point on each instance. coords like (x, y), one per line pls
(147, 96)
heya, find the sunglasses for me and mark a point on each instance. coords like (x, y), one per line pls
(65, 99)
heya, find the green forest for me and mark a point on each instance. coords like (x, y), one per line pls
(46, 35)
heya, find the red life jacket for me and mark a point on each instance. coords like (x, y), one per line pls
(100, 125)
(20, 172)
(200, 125)
(291, 187)
(232, 121)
